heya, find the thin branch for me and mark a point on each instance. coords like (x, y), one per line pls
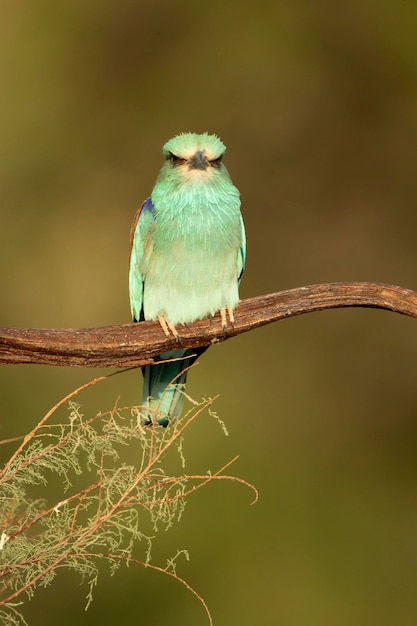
(162, 570)
(133, 345)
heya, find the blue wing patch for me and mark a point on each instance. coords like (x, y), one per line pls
(148, 206)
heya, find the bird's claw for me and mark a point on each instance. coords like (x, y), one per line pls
(169, 329)
(223, 315)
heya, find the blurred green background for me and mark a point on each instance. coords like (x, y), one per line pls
(317, 104)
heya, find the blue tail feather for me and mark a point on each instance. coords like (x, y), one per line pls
(164, 385)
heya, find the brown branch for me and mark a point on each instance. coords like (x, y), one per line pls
(135, 344)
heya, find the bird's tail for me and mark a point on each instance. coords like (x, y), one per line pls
(164, 384)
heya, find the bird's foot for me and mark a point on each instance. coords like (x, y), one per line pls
(169, 328)
(223, 315)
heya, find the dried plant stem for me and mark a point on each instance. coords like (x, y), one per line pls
(38, 538)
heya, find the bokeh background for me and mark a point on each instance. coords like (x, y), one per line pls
(317, 104)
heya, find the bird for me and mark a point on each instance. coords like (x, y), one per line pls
(187, 256)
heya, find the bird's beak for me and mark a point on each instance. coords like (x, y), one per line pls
(198, 161)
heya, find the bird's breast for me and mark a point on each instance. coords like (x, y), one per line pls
(192, 272)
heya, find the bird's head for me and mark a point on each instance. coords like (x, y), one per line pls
(194, 157)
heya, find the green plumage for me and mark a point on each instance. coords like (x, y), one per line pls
(188, 253)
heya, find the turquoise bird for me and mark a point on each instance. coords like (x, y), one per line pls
(187, 256)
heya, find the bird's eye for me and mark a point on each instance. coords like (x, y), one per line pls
(216, 162)
(175, 160)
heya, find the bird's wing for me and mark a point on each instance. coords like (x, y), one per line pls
(140, 251)
(241, 257)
